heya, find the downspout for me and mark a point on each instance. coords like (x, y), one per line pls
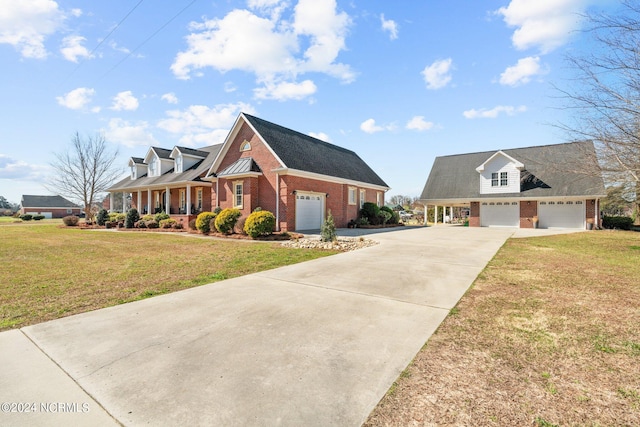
(277, 201)
(217, 194)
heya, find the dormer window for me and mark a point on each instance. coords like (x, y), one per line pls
(153, 166)
(499, 180)
(246, 146)
(133, 171)
(178, 168)
(503, 179)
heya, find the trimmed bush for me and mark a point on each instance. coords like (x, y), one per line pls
(38, 217)
(192, 224)
(152, 224)
(160, 216)
(132, 217)
(178, 226)
(26, 217)
(328, 229)
(370, 211)
(103, 217)
(148, 217)
(203, 221)
(617, 222)
(168, 223)
(384, 216)
(141, 224)
(226, 220)
(70, 220)
(395, 217)
(259, 223)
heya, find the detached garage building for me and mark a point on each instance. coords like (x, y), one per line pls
(48, 206)
(554, 184)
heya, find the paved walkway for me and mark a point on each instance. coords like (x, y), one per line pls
(313, 344)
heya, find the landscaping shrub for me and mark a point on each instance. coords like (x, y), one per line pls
(617, 222)
(370, 211)
(178, 226)
(121, 217)
(132, 217)
(103, 217)
(203, 221)
(384, 216)
(226, 220)
(38, 217)
(113, 216)
(328, 229)
(160, 216)
(148, 217)
(259, 223)
(395, 216)
(141, 224)
(152, 224)
(192, 224)
(26, 217)
(70, 220)
(168, 223)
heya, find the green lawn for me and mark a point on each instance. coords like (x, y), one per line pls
(549, 334)
(48, 271)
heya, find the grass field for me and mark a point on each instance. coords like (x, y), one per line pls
(47, 271)
(549, 335)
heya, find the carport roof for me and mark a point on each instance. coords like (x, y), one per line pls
(560, 170)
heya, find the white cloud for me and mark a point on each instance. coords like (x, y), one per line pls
(76, 99)
(13, 169)
(72, 48)
(545, 24)
(494, 112)
(438, 74)
(370, 126)
(390, 26)
(129, 134)
(269, 46)
(170, 97)
(125, 101)
(419, 123)
(230, 87)
(286, 90)
(202, 125)
(321, 136)
(26, 24)
(522, 72)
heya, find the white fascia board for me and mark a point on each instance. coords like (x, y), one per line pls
(328, 178)
(241, 175)
(150, 152)
(516, 163)
(181, 184)
(176, 150)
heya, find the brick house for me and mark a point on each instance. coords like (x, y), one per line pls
(260, 164)
(508, 188)
(49, 206)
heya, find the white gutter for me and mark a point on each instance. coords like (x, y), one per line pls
(277, 201)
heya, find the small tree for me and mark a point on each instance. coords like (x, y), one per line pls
(132, 217)
(328, 230)
(103, 217)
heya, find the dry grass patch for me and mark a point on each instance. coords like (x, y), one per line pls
(548, 335)
(47, 272)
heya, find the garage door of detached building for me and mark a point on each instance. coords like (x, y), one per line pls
(561, 214)
(499, 214)
(309, 210)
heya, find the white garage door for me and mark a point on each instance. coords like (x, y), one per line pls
(309, 210)
(561, 214)
(499, 214)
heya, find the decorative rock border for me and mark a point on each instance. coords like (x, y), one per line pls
(344, 244)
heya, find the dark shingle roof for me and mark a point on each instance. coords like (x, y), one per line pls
(240, 166)
(138, 160)
(549, 171)
(30, 201)
(192, 152)
(192, 174)
(305, 153)
(163, 153)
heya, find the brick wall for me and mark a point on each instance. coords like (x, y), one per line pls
(528, 210)
(474, 214)
(590, 210)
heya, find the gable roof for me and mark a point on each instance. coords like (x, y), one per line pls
(549, 171)
(31, 201)
(193, 174)
(515, 162)
(241, 166)
(306, 153)
(189, 152)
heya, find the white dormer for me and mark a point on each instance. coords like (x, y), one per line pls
(158, 161)
(499, 174)
(184, 158)
(137, 167)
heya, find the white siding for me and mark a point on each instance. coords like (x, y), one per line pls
(497, 165)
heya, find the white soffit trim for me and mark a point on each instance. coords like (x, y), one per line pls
(328, 178)
(517, 164)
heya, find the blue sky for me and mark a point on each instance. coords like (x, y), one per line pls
(397, 82)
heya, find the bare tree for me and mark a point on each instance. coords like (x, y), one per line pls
(604, 96)
(85, 170)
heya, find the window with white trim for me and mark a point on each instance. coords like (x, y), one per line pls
(379, 199)
(183, 201)
(352, 196)
(494, 179)
(363, 195)
(153, 166)
(133, 172)
(199, 199)
(245, 146)
(178, 164)
(504, 181)
(237, 194)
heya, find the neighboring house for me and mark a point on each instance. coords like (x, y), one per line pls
(49, 206)
(510, 187)
(260, 164)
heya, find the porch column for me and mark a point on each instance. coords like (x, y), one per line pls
(435, 216)
(188, 207)
(426, 209)
(139, 202)
(111, 202)
(149, 211)
(124, 202)
(167, 200)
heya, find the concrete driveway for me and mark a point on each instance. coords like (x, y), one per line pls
(313, 344)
